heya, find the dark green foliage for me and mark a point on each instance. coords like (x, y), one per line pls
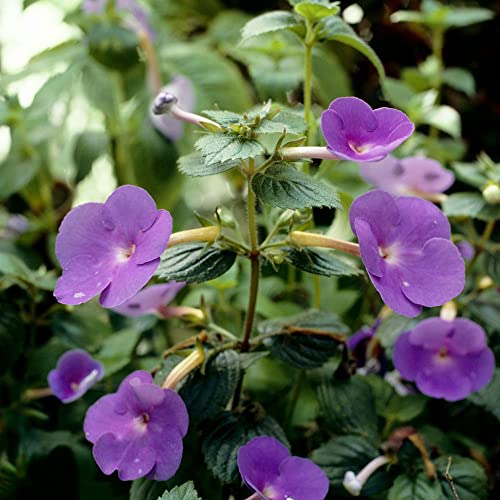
(194, 263)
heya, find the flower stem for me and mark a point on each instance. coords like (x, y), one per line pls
(318, 240)
(308, 88)
(302, 152)
(207, 234)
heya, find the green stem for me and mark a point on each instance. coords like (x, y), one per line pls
(294, 397)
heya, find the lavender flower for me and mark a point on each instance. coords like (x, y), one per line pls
(466, 249)
(406, 249)
(368, 353)
(182, 88)
(151, 300)
(414, 175)
(446, 359)
(267, 468)
(112, 247)
(75, 374)
(354, 131)
(94, 6)
(12, 226)
(138, 430)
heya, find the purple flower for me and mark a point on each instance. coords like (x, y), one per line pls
(138, 430)
(446, 359)
(112, 247)
(267, 468)
(75, 374)
(182, 88)
(94, 6)
(466, 249)
(406, 249)
(150, 300)
(412, 175)
(354, 131)
(12, 226)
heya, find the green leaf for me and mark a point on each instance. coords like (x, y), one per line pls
(390, 329)
(184, 492)
(335, 29)
(117, 350)
(287, 119)
(319, 262)
(468, 476)
(314, 10)
(285, 187)
(194, 263)
(206, 395)
(293, 340)
(331, 80)
(89, 146)
(8, 479)
(194, 165)
(348, 406)
(269, 22)
(398, 93)
(145, 489)
(12, 336)
(444, 118)
(470, 174)
(460, 79)
(13, 271)
(487, 397)
(418, 487)
(15, 173)
(100, 89)
(230, 431)
(350, 453)
(463, 205)
(219, 148)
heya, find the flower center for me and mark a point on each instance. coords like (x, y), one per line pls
(443, 352)
(388, 254)
(141, 422)
(124, 254)
(269, 492)
(357, 148)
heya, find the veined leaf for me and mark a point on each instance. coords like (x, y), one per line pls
(269, 22)
(220, 148)
(194, 165)
(184, 492)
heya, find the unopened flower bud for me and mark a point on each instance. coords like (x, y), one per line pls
(491, 193)
(163, 102)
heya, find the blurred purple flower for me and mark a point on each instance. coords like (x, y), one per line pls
(446, 359)
(406, 249)
(466, 249)
(267, 468)
(112, 247)
(74, 374)
(138, 430)
(369, 356)
(354, 131)
(139, 19)
(411, 176)
(150, 300)
(182, 88)
(13, 226)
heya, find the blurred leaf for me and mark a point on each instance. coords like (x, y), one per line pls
(314, 10)
(100, 89)
(487, 397)
(418, 487)
(469, 478)
(12, 336)
(183, 492)
(460, 79)
(283, 186)
(320, 262)
(15, 173)
(194, 263)
(269, 22)
(470, 205)
(390, 329)
(207, 394)
(117, 350)
(194, 165)
(228, 432)
(470, 173)
(14, 271)
(8, 479)
(219, 148)
(444, 118)
(89, 145)
(398, 93)
(335, 29)
(145, 489)
(226, 28)
(348, 406)
(350, 453)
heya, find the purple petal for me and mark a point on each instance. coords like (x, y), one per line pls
(368, 247)
(479, 368)
(301, 479)
(75, 373)
(82, 234)
(435, 276)
(153, 242)
(259, 461)
(354, 340)
(128, 211)
(466, 249)
(431, 334)
(138, 460)
(106, 416)
(379, 209)
(406, 357)
(393, 128)
(83, 278)
(389, 286)
(353, 113)
(108, 452)
(127, 280)
(466, 337)
(150, 299)
(172, 413)
(387, 174)
(169, 449)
